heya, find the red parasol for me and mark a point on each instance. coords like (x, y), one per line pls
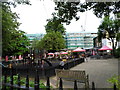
(64, 53)
(57, 53)
(50, 53)
(79, 50)
(105, 48)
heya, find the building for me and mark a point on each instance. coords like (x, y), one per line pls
(73, 40)
(83, 40)
(97, 44)
(104, 42)
(108, 43)
(32, 37)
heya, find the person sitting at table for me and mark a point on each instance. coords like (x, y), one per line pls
(61, 65)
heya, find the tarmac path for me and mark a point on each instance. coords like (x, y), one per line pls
(99, 71)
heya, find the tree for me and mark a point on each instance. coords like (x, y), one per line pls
(35, 43)
(66, 11)
(52, 41)
(109, 29)
(19, 43)
(14, 42)
(54, 24)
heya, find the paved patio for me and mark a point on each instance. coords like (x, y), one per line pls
(99, 71)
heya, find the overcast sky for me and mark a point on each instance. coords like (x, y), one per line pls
(33, 18)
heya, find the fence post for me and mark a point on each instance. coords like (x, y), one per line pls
(5, 80)
(60, 85)
(115, 87)
(23, 62)
(79, 60)
(75, 85)
(83, 59)
(38, 79)
(27, 82)
(66, 65)
(11, 78)
(93, 86)
(27, 71)
(48, 83)
(39, 63)
(18, 82)
(36, 84)
(76, 62)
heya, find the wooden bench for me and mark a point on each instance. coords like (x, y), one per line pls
(72, 75)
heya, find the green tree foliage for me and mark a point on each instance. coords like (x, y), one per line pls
(66, 11)
(54, 24)
(35, 43)
(19, 43)
(109, 29)
(52, 41)
(14, 42)
(16, 2)
(118, 36)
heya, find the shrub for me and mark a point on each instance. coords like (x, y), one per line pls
(115, 80)
(23, 81)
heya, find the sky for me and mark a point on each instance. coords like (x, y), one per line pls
(33, 18)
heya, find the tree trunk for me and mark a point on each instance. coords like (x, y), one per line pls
(113, 46)
(116, 44)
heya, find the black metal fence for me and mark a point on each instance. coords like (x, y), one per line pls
(73, 63)
(10, 85)
(47, 71)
